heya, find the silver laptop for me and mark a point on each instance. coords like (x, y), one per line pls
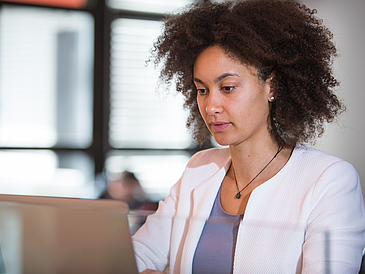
(64, 235)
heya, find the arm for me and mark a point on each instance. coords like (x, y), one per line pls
(152, 241)
(335, 235)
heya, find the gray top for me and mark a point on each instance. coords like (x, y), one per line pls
(216, 247)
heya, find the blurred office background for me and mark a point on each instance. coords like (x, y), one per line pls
(78, 102)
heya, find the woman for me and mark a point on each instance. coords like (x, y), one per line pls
(257, 77)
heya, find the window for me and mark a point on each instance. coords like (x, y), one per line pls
(140, 116)
(78, 101)
(46, 101)
(157, 171)
(45, 77)
(146, 124)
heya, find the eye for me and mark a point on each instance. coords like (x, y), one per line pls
(202, 91)
(227, 88)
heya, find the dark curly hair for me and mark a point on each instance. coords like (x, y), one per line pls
(281, 39)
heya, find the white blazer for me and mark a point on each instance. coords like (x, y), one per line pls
(308, 218)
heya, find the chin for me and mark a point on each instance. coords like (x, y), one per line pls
(222, 143)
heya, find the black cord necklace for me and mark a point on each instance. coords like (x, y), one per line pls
(238, 195)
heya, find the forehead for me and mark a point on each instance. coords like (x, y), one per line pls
(216, 60)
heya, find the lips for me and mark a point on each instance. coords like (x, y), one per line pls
(219, 126)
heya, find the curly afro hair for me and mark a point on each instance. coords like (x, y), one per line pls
(281, 39)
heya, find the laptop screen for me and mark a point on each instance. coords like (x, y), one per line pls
(64, 236)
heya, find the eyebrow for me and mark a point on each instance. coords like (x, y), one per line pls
(219, 78)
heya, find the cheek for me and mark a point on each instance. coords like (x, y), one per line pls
(201, 106)
(203, 113)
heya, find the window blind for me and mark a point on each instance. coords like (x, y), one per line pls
(46, 64)
(141, 117)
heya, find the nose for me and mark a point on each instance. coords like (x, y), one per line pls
(214, 104)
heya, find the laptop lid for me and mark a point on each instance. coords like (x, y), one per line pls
(64, 235)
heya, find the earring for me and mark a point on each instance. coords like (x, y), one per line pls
(272, 98)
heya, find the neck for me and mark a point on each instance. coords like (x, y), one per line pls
(249, 160)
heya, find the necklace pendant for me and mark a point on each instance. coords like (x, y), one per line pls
(238, 195)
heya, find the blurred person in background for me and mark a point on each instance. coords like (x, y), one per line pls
(127, 188)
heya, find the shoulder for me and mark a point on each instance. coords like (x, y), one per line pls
(317, 159)
(216, 156)
(205, 164)
(315, 164)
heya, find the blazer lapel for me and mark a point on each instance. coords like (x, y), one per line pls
(203, 198)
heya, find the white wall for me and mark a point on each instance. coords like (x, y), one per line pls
(346, 19)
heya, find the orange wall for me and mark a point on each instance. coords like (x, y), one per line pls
(76, 4)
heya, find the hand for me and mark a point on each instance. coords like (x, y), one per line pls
(150, 271)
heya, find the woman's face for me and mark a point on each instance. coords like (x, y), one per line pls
(232, 100)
